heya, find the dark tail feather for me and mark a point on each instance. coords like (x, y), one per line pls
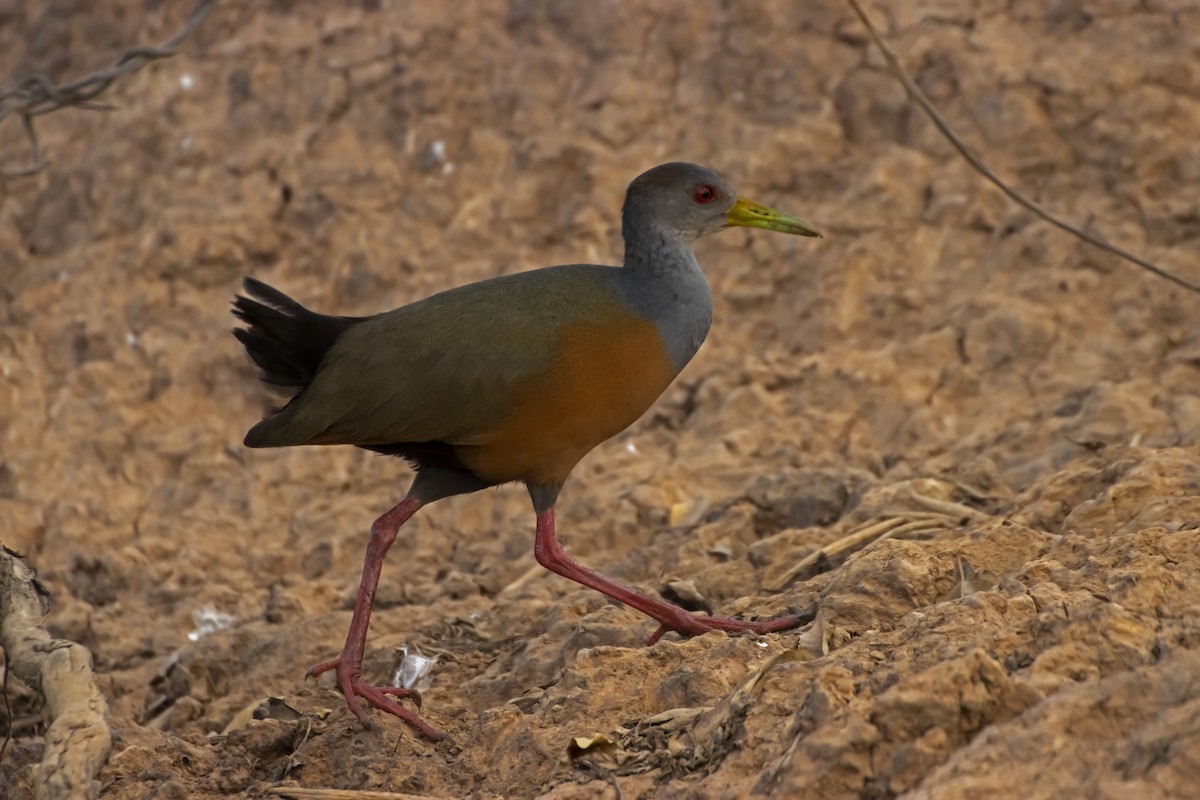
(285, 339)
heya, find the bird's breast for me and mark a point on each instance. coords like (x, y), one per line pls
(673, 293)
(604, 375)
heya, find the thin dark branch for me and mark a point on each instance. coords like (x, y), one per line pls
(914, 91)
(39, 161)
(35, 95)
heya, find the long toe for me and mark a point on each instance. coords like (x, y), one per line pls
(323, 667)
(659, 632)
(400, 691)
(349, 680)
(378, 697)
(778, 624)
(349, 691)
(698, 624)
(695, 625)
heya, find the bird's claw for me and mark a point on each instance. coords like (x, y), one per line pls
(349, 680)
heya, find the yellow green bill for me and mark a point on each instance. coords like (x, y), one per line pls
(749, 214)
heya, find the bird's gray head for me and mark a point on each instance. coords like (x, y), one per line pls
(687, 201)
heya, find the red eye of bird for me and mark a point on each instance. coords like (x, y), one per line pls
(704, 194)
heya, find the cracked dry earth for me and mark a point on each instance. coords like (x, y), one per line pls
(962, 443)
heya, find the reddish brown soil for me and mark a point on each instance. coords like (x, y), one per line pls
(940, 358)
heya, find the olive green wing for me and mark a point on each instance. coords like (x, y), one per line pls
(441, 369)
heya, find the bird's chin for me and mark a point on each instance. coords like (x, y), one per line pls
(716, 226)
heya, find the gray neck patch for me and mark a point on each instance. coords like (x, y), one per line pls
(663, 282)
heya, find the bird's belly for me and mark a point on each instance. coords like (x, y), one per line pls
(602, 378)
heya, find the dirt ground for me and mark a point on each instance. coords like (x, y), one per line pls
(1015, 413)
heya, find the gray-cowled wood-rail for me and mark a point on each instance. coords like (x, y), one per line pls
(511, 379)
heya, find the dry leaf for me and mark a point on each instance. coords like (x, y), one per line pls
(596, 743)
(268, 708)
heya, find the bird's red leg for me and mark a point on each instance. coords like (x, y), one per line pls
(670, 616)
(349, 664)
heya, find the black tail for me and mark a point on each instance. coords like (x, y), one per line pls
(284, 338)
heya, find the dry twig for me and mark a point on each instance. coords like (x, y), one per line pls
(302, 793)
(875, 531)
(918, 96)
(79, 738)
(35, 95)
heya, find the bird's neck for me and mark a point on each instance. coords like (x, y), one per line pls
(651, 251)
(663, 282)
